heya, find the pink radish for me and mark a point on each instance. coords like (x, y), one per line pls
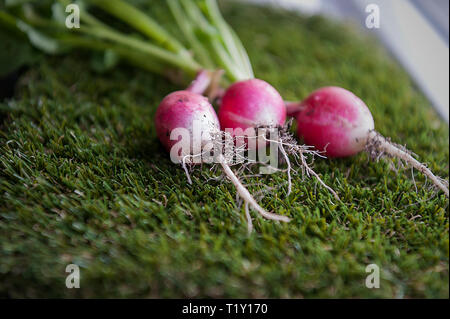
(256, 104)
(181, 110)
(251, 103)
(338, 123)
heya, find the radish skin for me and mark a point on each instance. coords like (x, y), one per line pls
(181, 109)
(335, 121)
(339, 124)
(255, 103)
(251, 103)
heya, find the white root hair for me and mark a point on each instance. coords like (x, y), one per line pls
(245, 194)
(231, 155)
(288, 163)
(288, 145)
(378, 146)
(249, 220)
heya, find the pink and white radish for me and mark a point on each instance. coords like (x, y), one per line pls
(250, 104)
(256, 104)
(182, 110)
(339, 124)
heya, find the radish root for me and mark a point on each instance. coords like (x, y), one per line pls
(249, 220)
(312, 172)
(288, 145)
(378, 145)
(288, 163)
(230, 153)
(244, 193)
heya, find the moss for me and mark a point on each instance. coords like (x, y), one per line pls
(84, 180)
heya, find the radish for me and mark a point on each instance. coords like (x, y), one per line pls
(251, 103)
(256, 104)
(339, 124)
(181, 109)
(184, 110)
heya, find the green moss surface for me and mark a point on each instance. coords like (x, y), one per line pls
(84, 180)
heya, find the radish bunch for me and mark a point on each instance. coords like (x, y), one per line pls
(182, 110)
(332, 120)
(250, 104)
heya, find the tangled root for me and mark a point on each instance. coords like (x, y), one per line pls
(378, 147)
(226, 153)
(288, 146)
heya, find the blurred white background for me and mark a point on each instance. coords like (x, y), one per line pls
(416, 32)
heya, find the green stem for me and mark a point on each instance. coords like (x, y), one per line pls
(9, 22)
(231, 40)
(243, 53)
(209, 32)
(222, 57)
(7, 19)
(188, 65)
(142, 22)
(187, 28)
(141, 60)
(85, 15)
(29, 15)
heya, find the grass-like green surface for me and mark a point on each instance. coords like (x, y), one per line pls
(84, 180)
